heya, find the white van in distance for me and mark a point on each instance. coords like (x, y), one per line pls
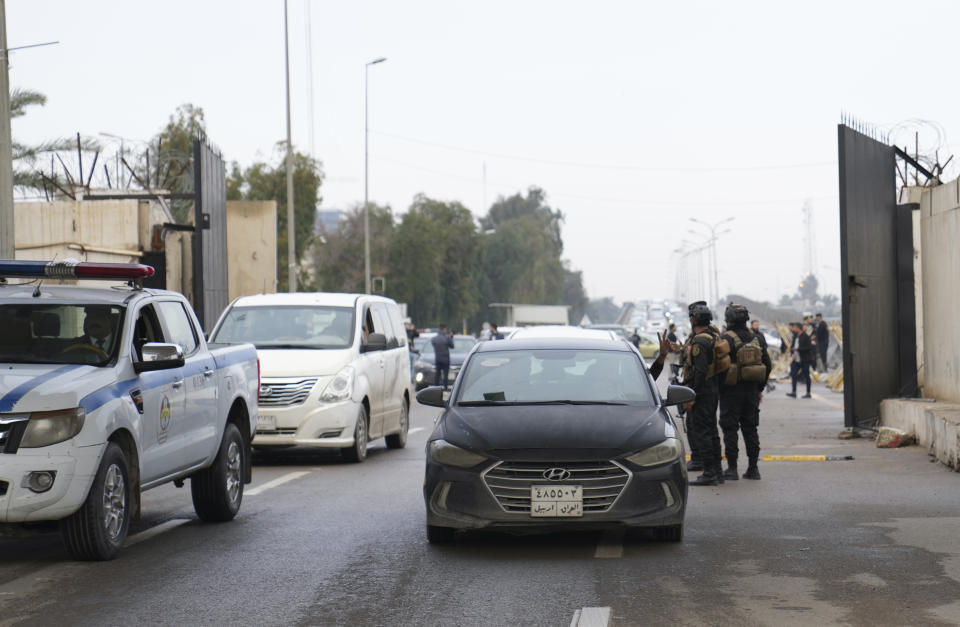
(334, 369)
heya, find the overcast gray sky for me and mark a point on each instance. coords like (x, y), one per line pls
(632, 116)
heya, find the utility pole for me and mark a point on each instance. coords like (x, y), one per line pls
(7, 240)
(291, 243)
(366, 171)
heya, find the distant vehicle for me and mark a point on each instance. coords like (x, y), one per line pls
(335, 369)
(561, 331)
(554, 433)
(107, 392)
(648, 346)
(424, 366)
(619, 329)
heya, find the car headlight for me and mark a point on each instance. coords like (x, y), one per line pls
(667, 451)
(340, 387)
(445, 453)
(50, 427)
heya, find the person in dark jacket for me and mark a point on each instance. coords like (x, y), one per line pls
(442, 343)
(801, 349)
(698, 375)
(822, 335)
(740, 403)
(755, 327)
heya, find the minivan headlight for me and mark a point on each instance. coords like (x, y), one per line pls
(340, 387)
(51, 427)
(448, 454)
(667, 451)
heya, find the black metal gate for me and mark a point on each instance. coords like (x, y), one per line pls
(210, 281)
(876, 251)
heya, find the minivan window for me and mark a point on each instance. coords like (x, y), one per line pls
(288, 326)
(382, 323)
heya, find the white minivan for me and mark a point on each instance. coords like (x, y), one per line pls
(334, 369)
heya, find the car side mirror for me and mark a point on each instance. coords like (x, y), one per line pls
(158, 356)
(678, 395)
(432, 396)
(375, 342)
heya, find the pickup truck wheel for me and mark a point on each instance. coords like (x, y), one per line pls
(99, 528)
(358, 452)
(218, 490)
(399, 440)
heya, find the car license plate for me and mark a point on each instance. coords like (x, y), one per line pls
(266, 423)
(556, 501)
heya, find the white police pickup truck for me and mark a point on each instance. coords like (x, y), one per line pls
(106, 392)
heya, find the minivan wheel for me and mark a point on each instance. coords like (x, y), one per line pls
(399, 439)
(358, 452)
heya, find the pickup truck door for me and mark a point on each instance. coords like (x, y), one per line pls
(197, 396)
(159, 392)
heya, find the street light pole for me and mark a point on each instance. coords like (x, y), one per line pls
(291, 234)
(7, 240)
(366, 170)
(713, 252)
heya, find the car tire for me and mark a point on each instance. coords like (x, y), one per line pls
(99, 528)
(440, 535)
(218, 490)
(358, 452)
(399, 440)
(669, 533)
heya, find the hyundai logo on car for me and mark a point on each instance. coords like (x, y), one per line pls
(556, 474)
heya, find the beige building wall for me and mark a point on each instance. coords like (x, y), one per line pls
(251, 247)
(105, 230)
(940, 259)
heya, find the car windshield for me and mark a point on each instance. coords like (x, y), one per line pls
(60, 334)
(460, 345)
(288, 327)
(554, 375)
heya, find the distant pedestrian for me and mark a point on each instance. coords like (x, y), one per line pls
(755, 327)
(442, 343)
(412, 334)
(801, 350)
(495, 333)
(822, 334)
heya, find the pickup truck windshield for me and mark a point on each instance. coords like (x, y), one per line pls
(288, 327)
(60, 334)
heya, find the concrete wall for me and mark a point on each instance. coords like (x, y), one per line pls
(251, 247)
(940, 258)
(105, 230)
(936, 425)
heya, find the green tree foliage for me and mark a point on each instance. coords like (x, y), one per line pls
(266, 181)
(435, 257)
(338, 262)
(170, 162)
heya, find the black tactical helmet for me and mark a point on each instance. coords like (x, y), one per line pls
(700, 313)
(736, 314)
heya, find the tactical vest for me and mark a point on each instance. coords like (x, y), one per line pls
(688, 358)
(748, 366)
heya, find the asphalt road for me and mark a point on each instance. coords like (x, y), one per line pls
(872, 541)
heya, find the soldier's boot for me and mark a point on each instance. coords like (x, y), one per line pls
(752, 471)
(731, 472)
(694, 465)
(709, 477)
(718, 471)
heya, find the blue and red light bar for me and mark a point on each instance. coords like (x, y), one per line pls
(70, 269)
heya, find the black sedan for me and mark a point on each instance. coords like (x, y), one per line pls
(555, 433)
(424, 365)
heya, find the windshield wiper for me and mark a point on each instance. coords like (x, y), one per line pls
(559, 402)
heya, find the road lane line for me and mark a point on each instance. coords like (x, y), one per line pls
(591, 617)
(278, 481)
(137, 538)
(610, 545)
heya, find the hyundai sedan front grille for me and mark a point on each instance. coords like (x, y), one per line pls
(602, 481)
(285, 392)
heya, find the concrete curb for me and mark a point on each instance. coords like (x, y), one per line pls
(936, 425)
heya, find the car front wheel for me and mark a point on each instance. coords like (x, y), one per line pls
(399, 439)
(358, 452)
(218, 490)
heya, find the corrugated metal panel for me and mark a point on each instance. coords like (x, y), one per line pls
(211, 283)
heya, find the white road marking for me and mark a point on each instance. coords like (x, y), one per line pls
(137, 538)
(272, 484)
(610, 545)
(591, 617)
(416, 430)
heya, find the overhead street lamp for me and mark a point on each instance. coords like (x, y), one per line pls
(291, 243)
(366, 169)
(712, 242)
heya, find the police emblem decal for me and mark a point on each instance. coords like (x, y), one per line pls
(165, 416)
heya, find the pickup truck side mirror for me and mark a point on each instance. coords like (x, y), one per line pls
(376, 342)
(432, 396)
(678, 395)
(157, 356)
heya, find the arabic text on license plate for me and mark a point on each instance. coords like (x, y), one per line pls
(556, 501)
(265, 423)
